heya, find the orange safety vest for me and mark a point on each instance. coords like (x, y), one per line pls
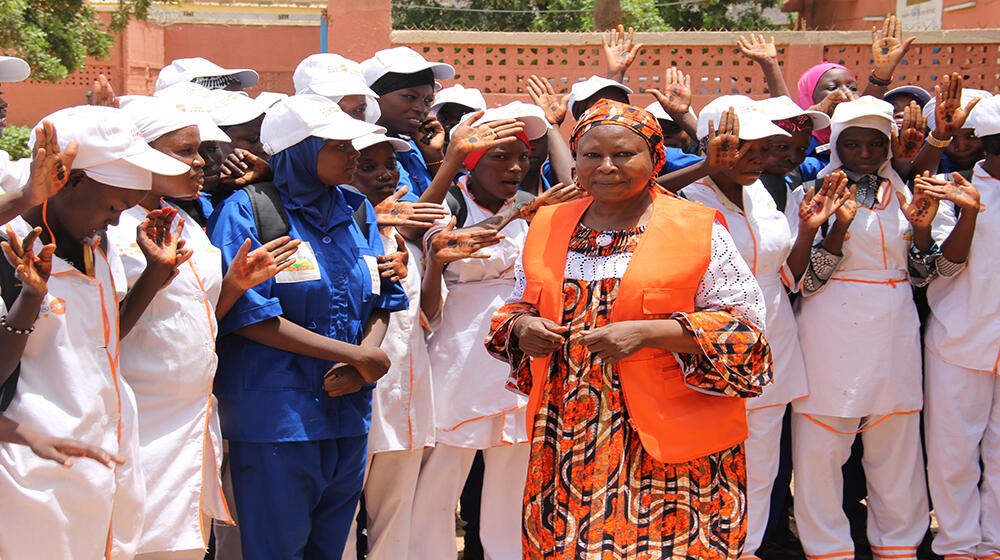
(676, 423)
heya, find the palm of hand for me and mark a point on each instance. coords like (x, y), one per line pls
(454, 245)
(258, 267)
(920, 211)
(555, 111)
(964, 195)
(886, 51)
(908, 143)
(848, 210)
(723, 151)
(678, 98)
(816, 211)
(393, 213)
(479, 138)
(950, 116)
(762, 50)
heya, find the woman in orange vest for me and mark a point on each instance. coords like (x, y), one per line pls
(636, 330)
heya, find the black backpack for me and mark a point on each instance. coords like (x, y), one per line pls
(456, 203)
(269, 214)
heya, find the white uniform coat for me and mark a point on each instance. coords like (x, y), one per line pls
(403, 402)
(860, 333)
(472, 407)
(13, 173)
(169, 361)
(70, 386)
(964, 328)
(764, 237)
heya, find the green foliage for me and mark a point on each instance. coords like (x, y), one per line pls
(15, 141)
(550, 15)
(56, 36)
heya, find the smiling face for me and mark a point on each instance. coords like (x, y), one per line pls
(862, 150)
(336, 163)
(613, 164)
(965, 148)
(787, 152)
(498, 174)
(377, 174)
(85, 207)
(182, 145)
(831, 81)
(405, 109)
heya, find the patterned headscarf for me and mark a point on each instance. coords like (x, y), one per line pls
(634, 118)
(799, 123)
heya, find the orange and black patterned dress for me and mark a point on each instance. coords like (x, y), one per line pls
(593, 493)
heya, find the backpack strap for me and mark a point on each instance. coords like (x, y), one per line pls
(456, 203)
(269, 214)
(10, 288)
(777, 188)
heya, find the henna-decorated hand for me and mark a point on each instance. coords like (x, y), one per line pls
(907, 143)
(832, 99)
(243, 168)
(162, 246)
(544, 95)
(888, 47)
(757, 49)
(393, 265)
(724, 148)
(250, 268)
(50, 166)
(949, 115)
(555, 195)
(392, 212)
(619, 50)
(959, 191)
(818, 206)
(677, 97)
(103, 94)
(466, 139)
(920, 211)
(849, 209)
(32, 270)
(456, 244)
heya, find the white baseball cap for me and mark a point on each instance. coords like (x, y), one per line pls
(298, 117)
(657, 111)
(781, 108)
(187, 69)
(460, 95)
(155, 116)
(968, 95)
(865, 106)
(533, 117)
(110, 148)
(369, 140)
(13, 69)
(921, 95)
(754, 122)
(330, 75)
(581, 91)
(985, 117)
(230, 108)
(402, 60)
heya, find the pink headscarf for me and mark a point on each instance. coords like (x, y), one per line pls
(807, 87)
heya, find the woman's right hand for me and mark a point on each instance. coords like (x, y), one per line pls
(538, 337)
(724, 148)
(832, 99)
(62, 450)
(32, 270)
(452, 244)
(466, 138)
(818, 206)
(849, 209)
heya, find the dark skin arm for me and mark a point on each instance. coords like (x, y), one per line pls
(766, 55)
(816, 208)
(33, 273)
(344, 379)
(55, 449)
(49, 173)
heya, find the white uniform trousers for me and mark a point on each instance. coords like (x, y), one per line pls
(173, 555)
(897, 498)
(227, 537)
(763, 449)
(962, 427)
(442, 477)
(390, 482)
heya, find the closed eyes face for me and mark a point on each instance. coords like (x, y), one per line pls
(247, 137)
(86, 206)
(831, 81)
(613, 164)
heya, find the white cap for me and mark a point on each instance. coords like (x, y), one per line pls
(298, 117)
(865, 106)
(460, 95)
(230, 108)
(781, 108)
(985, 117)
(155, 116)
(369, 140)
(533, 117)
(330, 75)
(13, 69)
(187, 69)
(865, 112)
(967, 96)
(267, 99)
(657, 111)
(110, 148)
(402, 60)
(754, 121)
(583, 90)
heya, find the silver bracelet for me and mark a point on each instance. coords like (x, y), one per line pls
(10, 329)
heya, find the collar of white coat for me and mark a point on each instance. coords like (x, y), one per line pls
(723, 199)
(876, 122)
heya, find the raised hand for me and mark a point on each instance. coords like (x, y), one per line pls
(162, 245)
(392, 212)
(393, 265)
(544, 95)
(32, 270)
(250, 268)
(818, 206)
(832, 99)
(103, 94)
(431, 134)
(757, 49)
(888, 47)
(907, 143)
(949, 115)
(456, 244)
(555, 195)
(724, 144)
(50, 166)
(677, 97)
(243, 168)
(619, 51)
(467, 139)
(959, 191)
(849, 209)
(920, 211)
(538, 337)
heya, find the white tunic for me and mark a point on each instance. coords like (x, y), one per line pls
(403, 402)
(859, 332)
(964, 328)
(472, 408)
(169, 360)
(13, 173)
(764, 237)
(70, 386)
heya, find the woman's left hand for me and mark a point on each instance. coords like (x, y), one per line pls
(557, 194)
(342, 379)
(614, 342)
(907, 143)
(162, 246)
(392, 212)
(920, 211)
(250, 268)
(888, 47)
(393, 265)
(619, 50)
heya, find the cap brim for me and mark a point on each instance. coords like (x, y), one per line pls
(368, 141)
(13, 69)
(209, 132)
(346, 131)
(819, 120)
(157, 162)
(340, 89)
(760, 129)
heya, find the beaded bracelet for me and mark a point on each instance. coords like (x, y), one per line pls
(878, 82)
(938, 143)
(6, 325)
